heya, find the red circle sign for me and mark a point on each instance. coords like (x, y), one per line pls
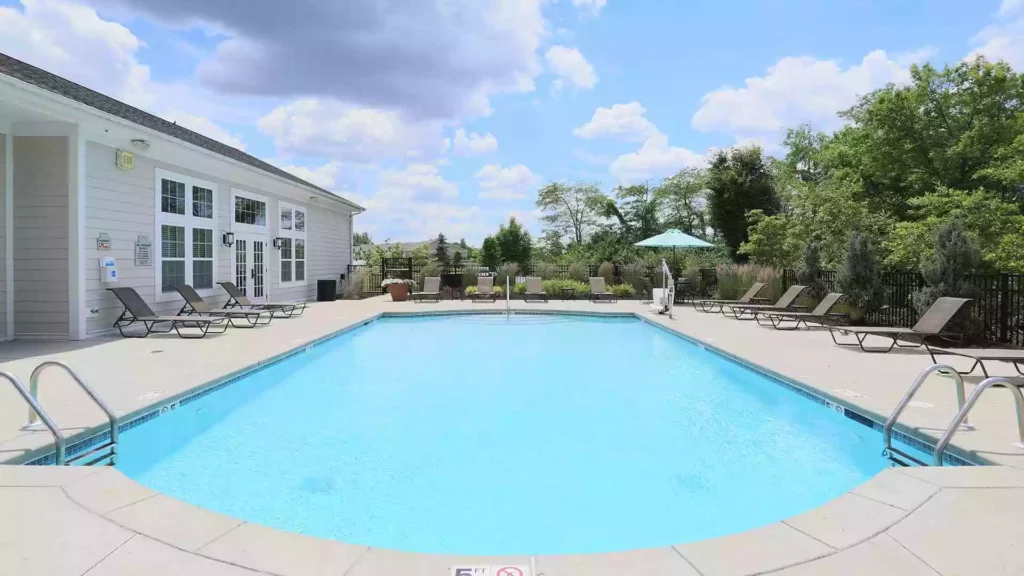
(509, 571)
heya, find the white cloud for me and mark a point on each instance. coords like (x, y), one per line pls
(74, 42)
(622, 121)
(205, 127)
(416, 182)
(473, 144)
(512, 183)
(1010, 7)
(325, 176)
(327, 128)
(1002, 41)
(569, 63)
(595, 6)
(655, 159)
(794, 91)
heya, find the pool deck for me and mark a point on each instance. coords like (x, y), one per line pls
(908, 521)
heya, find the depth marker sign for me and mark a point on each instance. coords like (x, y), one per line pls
(494, 570)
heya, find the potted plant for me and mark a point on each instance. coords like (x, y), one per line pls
(399, 288)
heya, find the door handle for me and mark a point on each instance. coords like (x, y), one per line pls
(252, 273)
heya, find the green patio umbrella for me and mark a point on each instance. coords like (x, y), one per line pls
(673, 238)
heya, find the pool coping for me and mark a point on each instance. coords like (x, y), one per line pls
(86, 439)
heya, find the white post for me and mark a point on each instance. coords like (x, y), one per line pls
(9, 228)
(508, 295)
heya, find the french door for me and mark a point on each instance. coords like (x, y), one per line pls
(248, 265)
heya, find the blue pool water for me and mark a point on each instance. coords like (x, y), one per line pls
(487, 435)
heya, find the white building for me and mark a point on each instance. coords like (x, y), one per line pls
(85, 178)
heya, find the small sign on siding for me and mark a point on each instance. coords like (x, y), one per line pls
(143, 251)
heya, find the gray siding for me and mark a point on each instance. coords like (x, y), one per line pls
(123, 204)
(40, 237)
(3, 235)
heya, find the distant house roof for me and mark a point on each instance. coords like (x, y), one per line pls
(63, 87)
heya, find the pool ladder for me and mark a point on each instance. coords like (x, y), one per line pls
(106, 453)
(959, 422)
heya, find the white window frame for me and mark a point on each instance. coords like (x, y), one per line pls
(294, 235)
(248, 228)
(189, 222)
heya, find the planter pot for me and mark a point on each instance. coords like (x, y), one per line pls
(399, 292)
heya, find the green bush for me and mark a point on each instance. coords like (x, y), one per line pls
(860, 280)
(945, 272)
(506, 271)
(579, 272)
(810, 275)
(519, 288)
(469, 276)
(355, 284)
(546, 271)
(499, 291)
(470, 290)
(735, 279)
(430, 270)
(635, 276)
(607, 271)
(554, 288)
(622, 290)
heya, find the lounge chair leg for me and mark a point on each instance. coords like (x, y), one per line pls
(861, 339)
(833, 333)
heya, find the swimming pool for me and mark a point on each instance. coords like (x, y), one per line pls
(487, 435)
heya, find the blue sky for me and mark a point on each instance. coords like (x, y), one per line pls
(447, 116)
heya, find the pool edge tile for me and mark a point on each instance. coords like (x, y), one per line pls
(647, 562)
(276, 551)
(847, 520)
(764, 549)
(173, 522)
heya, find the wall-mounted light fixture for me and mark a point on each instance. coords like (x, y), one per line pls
(277, 243)
(229, 239)
(140, 144)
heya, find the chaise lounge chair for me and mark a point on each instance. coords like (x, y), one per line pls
(932, 323)
(980, 356)
(534, 289)
(136, 310)
(194, 304)
(239, 300)
(484, 289)
(751, 311)
(598, 291)
(712, 305)
(821, 313)
(431, 289)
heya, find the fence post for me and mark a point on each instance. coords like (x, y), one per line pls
(1004, 307)
(383, 266)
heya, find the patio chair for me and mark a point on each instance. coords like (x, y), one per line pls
(431, 289)
(194, 304)
(932, 323)
(534, 289)
(136, 310)
(239, 300)
(598, 291)
(980, 356)
(484, 289)
(821, 313)
(709, 305)
(751, 311)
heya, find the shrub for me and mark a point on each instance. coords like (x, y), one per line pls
(469, 275)
(519, 288)
(735, 279)
(499, 291)
(859, 279)
(636, 276)
(579, 272)
(810, 276)
(470, 290)
(945, 272)
(622, 290)
(607, 271)
(554, 288)
(546, 271)
(355, 284)
(509, 271)
(428, 271)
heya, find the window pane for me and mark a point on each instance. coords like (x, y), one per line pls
(202, 243)
(172, 196)
(286, 271)
(172, 272)
(300, 271)
(286, 248)
(286, 218)
(251, 212)
(202, 274)
(172, 241)
(202, 202)
(300, 249)
(300, 221)
(260, 209)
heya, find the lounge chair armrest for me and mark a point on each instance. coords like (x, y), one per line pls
(760, 301)
(799, 308)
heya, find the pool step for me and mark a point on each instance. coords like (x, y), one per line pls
(107, 458)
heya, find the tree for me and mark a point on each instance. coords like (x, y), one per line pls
(945, 274)
(490, 254)
(683, 201)
(859, 280)
(803, 154)
(739, 181)
(514, 243)
(771, 241)
(637, 212)
(457, 258)
(810, 276)
(441, 251)
(361, 238)
(463, 245)
(570, 209)
(421, 255)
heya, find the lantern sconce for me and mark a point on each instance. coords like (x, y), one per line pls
(229, 239)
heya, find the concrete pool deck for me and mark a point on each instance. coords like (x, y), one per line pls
(927, 521)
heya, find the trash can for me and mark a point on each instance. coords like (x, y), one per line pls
(326, 290)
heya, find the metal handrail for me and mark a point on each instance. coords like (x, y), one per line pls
(34, 386)
(905, 401)
(962, 415)
(35, 408)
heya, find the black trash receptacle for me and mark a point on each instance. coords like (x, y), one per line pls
(326, 290)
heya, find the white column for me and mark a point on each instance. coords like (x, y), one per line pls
(76, 234)
(9, 228)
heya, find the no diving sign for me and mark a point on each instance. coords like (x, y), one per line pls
(495, 570)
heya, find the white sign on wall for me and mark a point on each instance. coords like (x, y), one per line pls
(143, 251)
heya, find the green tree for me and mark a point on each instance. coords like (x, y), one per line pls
(860, 280)
(441, 251)
(570, 209)
(637, 212)
(457, 258)
(514, 243)
(490, 253)
(421, 255)
(683, 201)
(945, 274)
(803, 155)
(771, 240)
(740, 181)
(810, 275)
(361, 238)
